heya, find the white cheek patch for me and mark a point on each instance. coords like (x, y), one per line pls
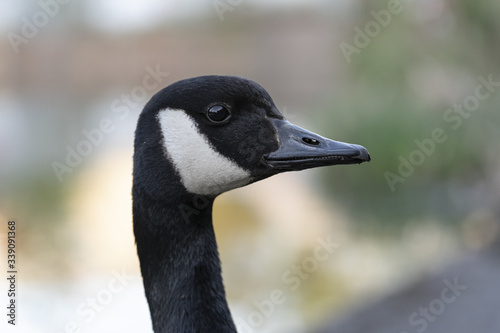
(202, 169)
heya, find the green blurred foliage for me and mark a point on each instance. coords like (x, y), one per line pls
(377, 107)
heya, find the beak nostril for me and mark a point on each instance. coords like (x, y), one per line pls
(310, 141)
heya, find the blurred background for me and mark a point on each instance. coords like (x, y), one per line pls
(415, 82)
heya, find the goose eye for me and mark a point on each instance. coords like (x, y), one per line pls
(218, 113)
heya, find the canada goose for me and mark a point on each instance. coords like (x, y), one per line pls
(195, 139)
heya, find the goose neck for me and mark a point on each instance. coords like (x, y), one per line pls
(180, 266)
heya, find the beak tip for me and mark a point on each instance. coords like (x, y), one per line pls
(364, 155)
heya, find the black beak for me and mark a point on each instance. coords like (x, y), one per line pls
(301, 149)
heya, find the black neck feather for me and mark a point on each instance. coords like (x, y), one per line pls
(180, 265)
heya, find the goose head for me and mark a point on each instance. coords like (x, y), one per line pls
(195, 139)
(210, 134)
